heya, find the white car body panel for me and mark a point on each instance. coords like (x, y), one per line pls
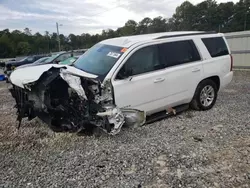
(180, 82)
(147, 94)
(156, 91)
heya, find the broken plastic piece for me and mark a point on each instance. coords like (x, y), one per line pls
(171, 110)
(74, 82)
(114, 116)
(134, 117)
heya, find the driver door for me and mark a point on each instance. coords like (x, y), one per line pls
(140, 82)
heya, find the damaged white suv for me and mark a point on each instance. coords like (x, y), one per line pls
(124, 80)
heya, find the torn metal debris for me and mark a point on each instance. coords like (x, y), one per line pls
(68, 99)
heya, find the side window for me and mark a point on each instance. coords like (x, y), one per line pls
(216, 46)
(30, 59)
(179, 52)
(142, 61)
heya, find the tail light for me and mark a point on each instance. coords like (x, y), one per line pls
(231, 68)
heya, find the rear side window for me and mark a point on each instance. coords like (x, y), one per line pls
(216, 46)
(179, 52)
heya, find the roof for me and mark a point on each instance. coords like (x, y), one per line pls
(128, 41)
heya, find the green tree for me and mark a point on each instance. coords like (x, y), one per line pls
(6, 48)
(129, 28)
(158, 24)
(184, 16)
(23, 48)
(27, 31)
(144, 25)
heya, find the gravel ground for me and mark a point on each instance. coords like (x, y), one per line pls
(193, 149)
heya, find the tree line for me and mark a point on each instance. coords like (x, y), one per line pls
(205, 16)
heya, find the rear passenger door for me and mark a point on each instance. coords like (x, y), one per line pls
(183, 69)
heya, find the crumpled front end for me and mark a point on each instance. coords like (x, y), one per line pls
(70, 102)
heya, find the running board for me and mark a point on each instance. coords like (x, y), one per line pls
(162, 115)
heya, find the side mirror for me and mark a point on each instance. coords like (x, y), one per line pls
(125, 74)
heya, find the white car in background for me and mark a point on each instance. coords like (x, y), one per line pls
(123, 80)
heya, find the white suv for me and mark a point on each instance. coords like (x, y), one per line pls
(125, 76)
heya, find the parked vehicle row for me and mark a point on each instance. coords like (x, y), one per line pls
(11, 65)
(35, 60)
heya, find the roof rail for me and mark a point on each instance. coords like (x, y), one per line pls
(187, 34)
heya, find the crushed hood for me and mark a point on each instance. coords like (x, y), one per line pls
(21, 77)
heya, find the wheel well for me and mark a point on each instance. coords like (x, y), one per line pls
(215, 79)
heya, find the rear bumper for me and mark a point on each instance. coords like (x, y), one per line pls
(226, 79)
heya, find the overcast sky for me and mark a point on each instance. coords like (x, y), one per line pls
(81, 16)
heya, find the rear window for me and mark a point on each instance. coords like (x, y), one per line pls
(216, 46)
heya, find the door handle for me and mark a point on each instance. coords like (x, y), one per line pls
(159, 80)
(196, 70)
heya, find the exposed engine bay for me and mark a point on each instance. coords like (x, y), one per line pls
(68, 102)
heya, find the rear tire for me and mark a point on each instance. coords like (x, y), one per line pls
(205, 95)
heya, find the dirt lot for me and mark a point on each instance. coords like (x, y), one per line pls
(193, 149)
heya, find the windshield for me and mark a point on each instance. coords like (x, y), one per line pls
(23, 59)
(58, 57)
(41, 60)
(68, 61)
(99, 59)
(51, 58)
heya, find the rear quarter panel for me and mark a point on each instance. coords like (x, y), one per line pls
(217, 66)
